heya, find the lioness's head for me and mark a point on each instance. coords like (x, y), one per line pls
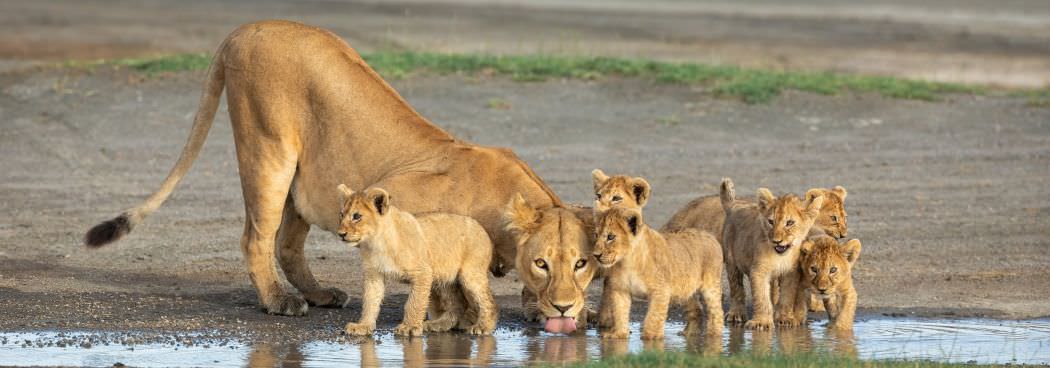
(616, 235)
(833, 213)
(788, 217)
(826, 263)
(360, 213)
(618, 191)
(553, 257)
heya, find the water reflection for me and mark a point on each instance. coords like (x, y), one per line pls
(983, 341)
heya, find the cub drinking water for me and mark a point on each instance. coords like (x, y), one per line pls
(665, 267)
(431, 250)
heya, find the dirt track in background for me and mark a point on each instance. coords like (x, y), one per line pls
(946, 196)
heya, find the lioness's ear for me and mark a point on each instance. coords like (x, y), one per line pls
(851, 250)
(344, 193)
(520, 216)
(641, 190)
(765, 200)
(839, 191)
(807, 246)
(634, 220)
(813, 204)
(380, 199)
(599, 178)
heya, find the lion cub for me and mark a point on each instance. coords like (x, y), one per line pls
(431, 250)
(826, 273)
(762, 241)
(665, 267)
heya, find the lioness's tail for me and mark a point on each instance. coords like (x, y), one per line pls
(727, 194)
(112, 230)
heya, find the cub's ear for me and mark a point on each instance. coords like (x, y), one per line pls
(839, 191)
(806, 248)
(813, 204)
(641, 190)
(633, 218)
(814, 193)
(344, 193)
(380, 199)
(521, 218)
(851, 250)
(599, 178)
(765, 200)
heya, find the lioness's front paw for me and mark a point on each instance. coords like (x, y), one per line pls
(408, 330)
(617, 334)
(327, 298)
(787, 321)
(287, 305)
(735, 317)
(359, 329)
(758, 324)
(439, 325)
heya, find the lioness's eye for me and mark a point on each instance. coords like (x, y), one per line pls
(833, 269)
(814, 269)
(580, 264)
(355, 217)
(610, 237)
(834, 218)
(617, 198)
(790, 223)
(541, 264)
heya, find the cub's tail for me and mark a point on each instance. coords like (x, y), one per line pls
(112, 230)
(727, 194)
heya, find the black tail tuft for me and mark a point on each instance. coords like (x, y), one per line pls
(107, 232)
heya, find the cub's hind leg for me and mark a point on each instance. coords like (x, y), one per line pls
(476, 290)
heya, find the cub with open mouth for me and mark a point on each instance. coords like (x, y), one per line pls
(682, 267)
(762, 241)
(430, 250)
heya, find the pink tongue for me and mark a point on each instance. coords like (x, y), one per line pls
(560, 325)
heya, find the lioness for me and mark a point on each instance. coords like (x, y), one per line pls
(431, 250)
(826, 273)
(553, 260)
(762, 241)
(308, 114)
(665, 267)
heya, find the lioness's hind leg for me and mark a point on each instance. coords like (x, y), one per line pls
(291, 239)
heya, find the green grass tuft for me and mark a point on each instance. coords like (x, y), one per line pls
(749, 85)
(669, 359)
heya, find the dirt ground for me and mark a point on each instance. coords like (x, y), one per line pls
(947, 196)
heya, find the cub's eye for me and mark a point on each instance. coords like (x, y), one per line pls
(541, 264)
(834, 218)
(610, 237)
(617, 198)
(770, 220)
(355, 217)
(581, 263)
(814, 269)
(597, 196)
(833, 269)
(790, 223)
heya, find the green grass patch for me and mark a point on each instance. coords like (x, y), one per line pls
(668, 359)
(749, 85)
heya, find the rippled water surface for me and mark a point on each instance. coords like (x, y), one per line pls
(983, 341)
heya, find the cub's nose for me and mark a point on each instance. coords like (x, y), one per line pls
(562, 308)
(822, 290)
(342, 234)
(778, 241)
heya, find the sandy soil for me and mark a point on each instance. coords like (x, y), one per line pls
(947, 196)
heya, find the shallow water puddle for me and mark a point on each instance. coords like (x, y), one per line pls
(982, 341)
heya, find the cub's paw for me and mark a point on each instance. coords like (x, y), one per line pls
(657, 335)
(618, 334)
(787, 321)
(816, 305)
(326, 298)
(735, 317)
(758, 324)
(287, 305)
(408, 331)
(691, 329)
(479, 330)
(359, 329)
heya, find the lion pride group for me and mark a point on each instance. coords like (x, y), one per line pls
(791, 249)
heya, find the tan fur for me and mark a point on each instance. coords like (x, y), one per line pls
(431, 250)
(553, 258)
(827, 274)
(751, 233)
(664, 267)
(308, 114)
(619, 191)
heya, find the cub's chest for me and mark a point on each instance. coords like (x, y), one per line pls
(635, 284)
